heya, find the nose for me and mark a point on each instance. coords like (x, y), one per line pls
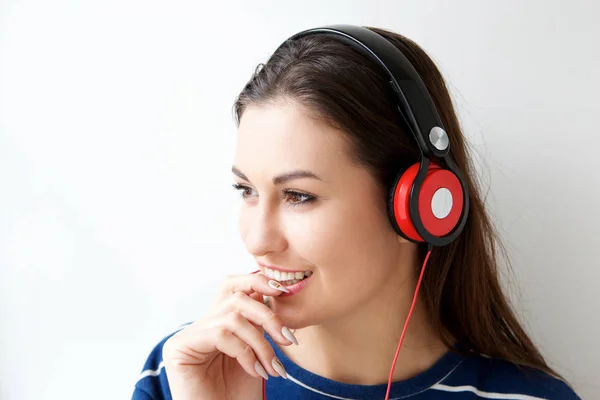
(262, 231)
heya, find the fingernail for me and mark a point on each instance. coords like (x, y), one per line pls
(278, 286)
(289, 335)
(260, 370)
(279, 367)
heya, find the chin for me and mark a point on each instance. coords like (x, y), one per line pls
(291, 316)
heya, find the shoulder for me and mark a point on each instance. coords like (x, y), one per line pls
(152, 382)
(494, 378)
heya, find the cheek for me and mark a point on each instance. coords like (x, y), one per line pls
(251, 227)
(340, 239)
(243, 223)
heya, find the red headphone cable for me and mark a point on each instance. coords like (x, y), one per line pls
(429, 248)
(387, 395)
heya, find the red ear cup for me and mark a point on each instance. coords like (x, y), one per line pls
(401, 204)
(436, 178)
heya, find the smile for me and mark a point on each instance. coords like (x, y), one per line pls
(286, 278)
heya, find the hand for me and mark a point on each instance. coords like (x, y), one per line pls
(224, 354)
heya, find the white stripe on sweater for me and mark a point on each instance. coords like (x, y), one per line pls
(487, 395)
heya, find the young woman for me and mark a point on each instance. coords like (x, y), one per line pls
(327, 156)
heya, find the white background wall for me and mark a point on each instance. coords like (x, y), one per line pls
(116, 140)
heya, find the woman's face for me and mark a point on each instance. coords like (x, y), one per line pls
(332, 223)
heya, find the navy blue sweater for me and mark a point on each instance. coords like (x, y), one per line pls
(452, 377)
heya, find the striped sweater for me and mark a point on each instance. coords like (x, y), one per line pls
(452, 377)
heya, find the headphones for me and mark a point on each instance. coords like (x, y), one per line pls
(428, 203)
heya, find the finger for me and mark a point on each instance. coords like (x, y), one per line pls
(261, 299)
(183, 349)
(243, 329)
(252, 283)
(239, 326)
(259, 314)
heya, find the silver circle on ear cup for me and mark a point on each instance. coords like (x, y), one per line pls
(441, 203)
(439, 138)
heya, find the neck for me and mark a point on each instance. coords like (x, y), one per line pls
(360, 348)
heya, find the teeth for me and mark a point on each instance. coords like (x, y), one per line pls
(292, 282)
(286, 276)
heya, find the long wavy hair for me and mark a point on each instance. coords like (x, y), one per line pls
(461, 289)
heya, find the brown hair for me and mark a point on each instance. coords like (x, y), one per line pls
(460, 289)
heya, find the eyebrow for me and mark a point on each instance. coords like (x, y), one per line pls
(279, 179)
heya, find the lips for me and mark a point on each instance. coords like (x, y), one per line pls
(293, 280)
(296, 287)
(276, 268)
(280, 274)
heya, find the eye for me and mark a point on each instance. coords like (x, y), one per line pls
(241, 188)
(292, 197)
(299, 197)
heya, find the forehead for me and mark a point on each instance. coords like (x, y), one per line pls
(283, 136)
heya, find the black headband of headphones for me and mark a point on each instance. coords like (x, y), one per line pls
(414, 102)
(415, 106)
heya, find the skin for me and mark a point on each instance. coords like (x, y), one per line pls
(349, 317)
